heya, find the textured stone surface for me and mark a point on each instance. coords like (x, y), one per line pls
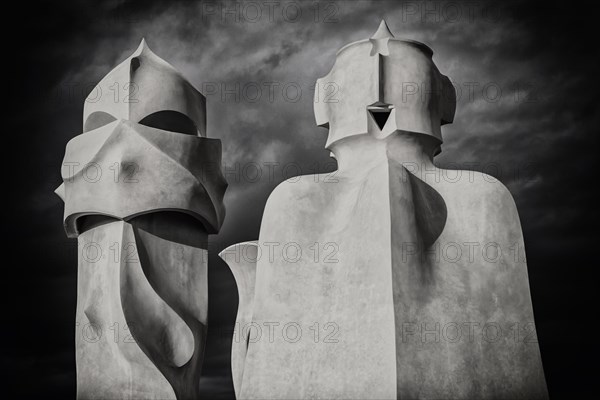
(142, 188)
(384, 74)
(114, 170)
(420, 289)
(148, 86)
(110, 363)
(138, 297)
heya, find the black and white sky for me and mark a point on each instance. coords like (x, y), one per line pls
(527, 113)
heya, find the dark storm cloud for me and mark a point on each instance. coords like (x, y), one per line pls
(526, 114)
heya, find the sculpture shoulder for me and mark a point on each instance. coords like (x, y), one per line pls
(476, 192)
(298, 190)
(493, 190)
(470, 183)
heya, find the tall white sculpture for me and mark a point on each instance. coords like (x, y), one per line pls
(396, 279)
(142, 189)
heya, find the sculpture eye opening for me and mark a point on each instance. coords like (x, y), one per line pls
(172, 121)
(380, 117)
(380, 112)
(174, 226)
(96, 120)
(87, 222)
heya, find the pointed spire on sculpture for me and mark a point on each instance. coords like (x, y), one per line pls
(380, 39)
(383, 31)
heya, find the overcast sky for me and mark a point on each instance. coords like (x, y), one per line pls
(526, 114)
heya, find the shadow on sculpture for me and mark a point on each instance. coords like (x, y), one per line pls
(403, 282)
(143, 189)
(420, 289)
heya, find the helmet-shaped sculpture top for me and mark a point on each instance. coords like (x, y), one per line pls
(381, 85)
(148, 90)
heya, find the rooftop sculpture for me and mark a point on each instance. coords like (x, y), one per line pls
(394, 279)
(418, 287)
(142, 189)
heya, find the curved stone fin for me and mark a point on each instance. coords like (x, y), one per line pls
(430, 210)
(177, 272)
(164, 298)
(111, 365)
(241, 259)
(158, 330)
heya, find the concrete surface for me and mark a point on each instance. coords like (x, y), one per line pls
(419, 286)
(143, 189)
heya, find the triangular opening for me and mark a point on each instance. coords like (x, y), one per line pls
(380, 117)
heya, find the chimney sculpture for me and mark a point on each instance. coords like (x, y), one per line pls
(392, 278)
(143, 189)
